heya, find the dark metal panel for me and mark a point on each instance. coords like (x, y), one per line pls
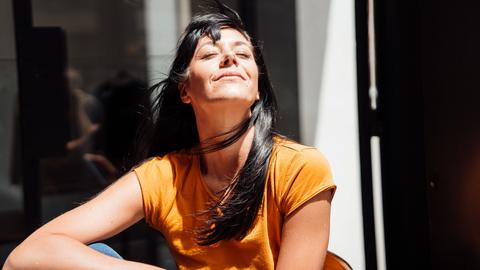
(398, 43)
(366, 123)
(22, 15)
(279, 38)
(450, 77)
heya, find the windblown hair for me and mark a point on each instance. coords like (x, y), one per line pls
(171, 127)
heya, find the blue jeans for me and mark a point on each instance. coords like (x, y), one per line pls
(105, 249)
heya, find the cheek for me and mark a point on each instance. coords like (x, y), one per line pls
(198, 82)
(254, 78)
(252, 70)
(199, 75)
(195, 80)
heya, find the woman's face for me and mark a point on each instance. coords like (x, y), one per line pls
(224, 73)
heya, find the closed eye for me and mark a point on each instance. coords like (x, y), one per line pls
(244, 55)
(209, 55)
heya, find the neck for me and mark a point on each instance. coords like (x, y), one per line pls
(214, 126)
(221, 166)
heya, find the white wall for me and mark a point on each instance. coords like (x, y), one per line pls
(161, 21)
(328, 111)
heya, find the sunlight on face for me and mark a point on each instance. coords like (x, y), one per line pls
(222, 73)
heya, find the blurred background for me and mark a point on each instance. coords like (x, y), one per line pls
(387, 90)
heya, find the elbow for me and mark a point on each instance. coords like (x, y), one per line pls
(20, 258)
(12, 262)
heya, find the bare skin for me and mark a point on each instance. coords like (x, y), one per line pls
(222, 84)
(305, 235)
(60, 244)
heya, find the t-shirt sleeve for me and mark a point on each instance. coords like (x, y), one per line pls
(153, 176)
(307, 175)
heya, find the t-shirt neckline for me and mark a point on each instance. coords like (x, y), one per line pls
(202, 181)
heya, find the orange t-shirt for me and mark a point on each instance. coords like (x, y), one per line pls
(174, 193)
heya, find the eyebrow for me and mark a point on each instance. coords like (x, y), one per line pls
(235, 44)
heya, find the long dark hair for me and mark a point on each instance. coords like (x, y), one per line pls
(171, 127)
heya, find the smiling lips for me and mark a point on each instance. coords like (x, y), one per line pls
(227, 74)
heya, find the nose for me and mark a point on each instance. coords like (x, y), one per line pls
(229, 59)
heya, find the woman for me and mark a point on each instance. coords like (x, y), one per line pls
(222, 187)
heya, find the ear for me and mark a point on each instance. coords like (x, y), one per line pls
(182, 87)
(258, 96)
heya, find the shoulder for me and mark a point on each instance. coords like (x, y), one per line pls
(161, 172)
(287, 153)
(167, 162)
(298, 173)
(159, 179)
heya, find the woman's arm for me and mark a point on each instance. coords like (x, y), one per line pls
(61, 243)
(305, 235)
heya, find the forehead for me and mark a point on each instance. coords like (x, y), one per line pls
(227, 35)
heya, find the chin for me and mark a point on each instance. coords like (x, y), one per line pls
(234, 91)
(231, 94)
(233, 101)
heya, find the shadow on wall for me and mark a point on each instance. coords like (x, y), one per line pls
(312, 22)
